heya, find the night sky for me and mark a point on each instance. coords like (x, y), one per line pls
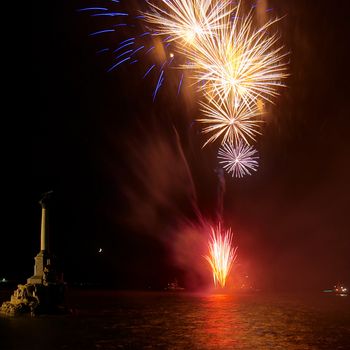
(113, 160)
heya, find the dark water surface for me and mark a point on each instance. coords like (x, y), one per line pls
(161, 320)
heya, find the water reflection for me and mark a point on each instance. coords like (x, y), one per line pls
(223, 327)
(188, 321)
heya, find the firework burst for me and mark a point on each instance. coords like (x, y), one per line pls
(238, 159)
(222, 255)
(238, 60)
(230, 121)
(186, 21)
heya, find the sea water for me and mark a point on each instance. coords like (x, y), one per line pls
(181, 320)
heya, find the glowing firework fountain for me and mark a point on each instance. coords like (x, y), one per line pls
(222, 255)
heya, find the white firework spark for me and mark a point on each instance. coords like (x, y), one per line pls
(238, 60)
(185, 21)
(222, 255)
(229, 120)
(238, 159)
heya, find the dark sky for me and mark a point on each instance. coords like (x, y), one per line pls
(112, 158)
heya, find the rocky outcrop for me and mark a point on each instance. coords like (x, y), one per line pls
(35, 299)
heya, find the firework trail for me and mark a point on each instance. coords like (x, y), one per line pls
(222, 255)
(238, 159)
(194, 199)
(221, 189)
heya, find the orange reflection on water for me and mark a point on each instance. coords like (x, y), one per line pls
(222, 326)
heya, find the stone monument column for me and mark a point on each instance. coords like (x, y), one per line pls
(42, 259)
(43, 235)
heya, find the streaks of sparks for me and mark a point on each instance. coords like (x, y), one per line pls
(230, 121)
(222, 255)
(140, 45)
(186, 21)
(240, 62)
(238, 159)
(236, 65)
